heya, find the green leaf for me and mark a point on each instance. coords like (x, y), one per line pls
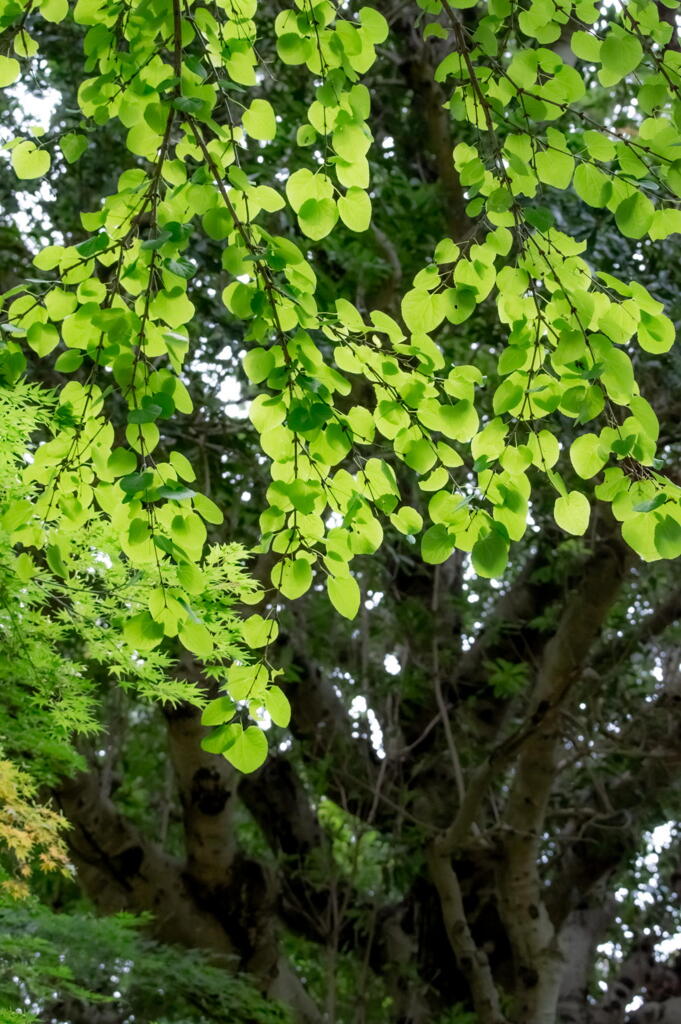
(490, 555)
(587, 455)
(219, 739)
(450, 509)
(600, 146)
(666, 222)
(539, 217)
(620, 54)
(258, 364)
(555, 167)
(355, 209)
(29, 162)
(422, 311)
(634, 215)
(9, 71)
(24, 567)
(136, 483)
(374, 24)
(668, 537)
(175, 491)
(183, 467)
(407, 520)
(188, 105)
(436, 545)
(181, 268)
(592, 185)
(303, 185)
(446, 251)
(246, 749)
(656, 333)
(219, 711)
(572, 513)
(156, 241)
(207, 508)
(147, 414)
(18, 512)
(420, 455)
(259, 632)
(247, 682)
(652, 503)
(305, 135)
(122, 462)
(506, 396)
(55, 561)
(317, 217)
(42, 338)
(344, 595)
(293, 49)
(73, 146)
(277, 706)
(191, 578)
(196, 638)
(586, 46)
(259, 121)
(293, 577)
(142, 632)
(460, 421)
(69, 361)
(92, 245)
(54, 10)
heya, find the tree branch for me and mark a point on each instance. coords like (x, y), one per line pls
(520, 891)
(472, 960)
(120, 869)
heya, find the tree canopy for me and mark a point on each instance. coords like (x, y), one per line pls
(339, 511)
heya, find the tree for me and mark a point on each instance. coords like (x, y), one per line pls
(434, 569)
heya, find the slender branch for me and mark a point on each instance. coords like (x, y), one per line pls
(521, 899)
(472, 960)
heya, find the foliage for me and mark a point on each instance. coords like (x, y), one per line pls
(446, 410)
(115, 306)
(110, 964)
(28, 831)
(60, 611)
